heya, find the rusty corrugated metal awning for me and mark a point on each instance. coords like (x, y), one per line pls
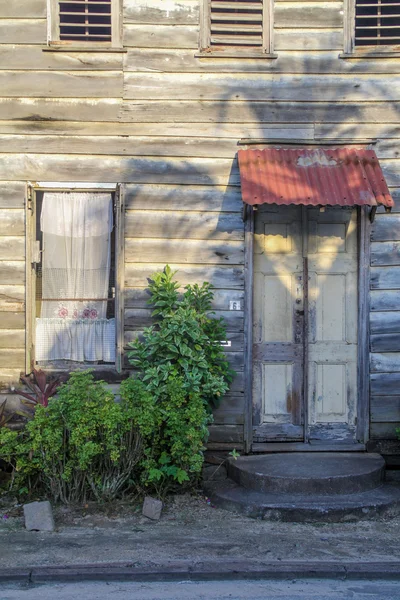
(313, 176)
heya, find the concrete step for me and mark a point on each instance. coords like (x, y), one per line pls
(307, 508)
(318, 473)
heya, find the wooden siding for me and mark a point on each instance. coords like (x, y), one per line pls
(167, 123)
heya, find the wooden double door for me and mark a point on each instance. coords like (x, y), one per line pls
(305, 324)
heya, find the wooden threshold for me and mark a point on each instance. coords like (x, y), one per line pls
(305, 447)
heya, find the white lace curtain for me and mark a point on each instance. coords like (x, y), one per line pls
(76, 258)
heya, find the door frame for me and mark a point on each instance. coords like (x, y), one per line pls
(363, 335)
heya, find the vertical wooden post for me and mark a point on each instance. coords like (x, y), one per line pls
(248, 328)
(119, 275)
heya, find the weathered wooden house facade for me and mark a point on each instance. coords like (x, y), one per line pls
(146, 104)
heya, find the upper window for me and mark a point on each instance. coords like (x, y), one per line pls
(373, 25)
(85, 22)
(236, 27)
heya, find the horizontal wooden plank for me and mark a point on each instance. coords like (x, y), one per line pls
(307, 15)
(28, 31)
(12, 194)
(385, 384)
(385, 253)
(138, 298)
(12, 338)
(385, 278)
(12, 222)
(219, 277)
(251, 87)
(183, 251)
(120, 145)
(391, 171)
(172, 198)
(12, 320)
(12, 298)
(225, 433)
(29, 57)
(53, 84)
(31, 9)
(9, 379)
(12, 248)
(168, 60)
(138, 318)
(42, 109)
(385, 342)
(59, 167)
(12, 358)
(385, 447)
(182, 225)
(385, 322)
(12, 272)
(362, 130)
(386, 228)
(234, 131)
(385, 363)
(161, 36)
(381, 300)
(228, 110)
(395, 192)
(385, 409)
(386, 431)
(182, 12)
(320, 39)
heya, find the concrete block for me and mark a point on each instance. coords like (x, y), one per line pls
(39, 516)
(152, 508)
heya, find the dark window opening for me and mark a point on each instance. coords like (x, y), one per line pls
(85, 20)
(377, 23)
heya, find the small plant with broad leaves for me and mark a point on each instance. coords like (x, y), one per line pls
(41, 390)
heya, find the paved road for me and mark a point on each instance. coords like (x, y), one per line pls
(221, 590)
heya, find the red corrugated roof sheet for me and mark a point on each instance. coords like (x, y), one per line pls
(313, 176)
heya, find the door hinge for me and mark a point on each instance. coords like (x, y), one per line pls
(29, 197)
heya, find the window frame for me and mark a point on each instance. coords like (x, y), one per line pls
(350, 48)
(30, 293)
(53, 29)
(266, 51)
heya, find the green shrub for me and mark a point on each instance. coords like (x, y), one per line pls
(173, 426)
(185, 342)
(82, 445)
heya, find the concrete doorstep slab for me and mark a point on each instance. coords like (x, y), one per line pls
(204, 571)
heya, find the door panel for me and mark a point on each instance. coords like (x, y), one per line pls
(292, 349)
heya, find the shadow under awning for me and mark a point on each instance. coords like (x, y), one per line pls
(313, 176)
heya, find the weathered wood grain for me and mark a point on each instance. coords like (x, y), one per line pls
(385, 253)
(181, 12)
(138, 298)
(12, 222)
(169, 60)
(385, 342)
(121, 145)
(385, 384)
(384, 431)
(220, 277)
(12, 272)
(385, 322)
(262, 86)
(60, 167)
(385, 363)
(32, 57)
(31, 9)
(53, 84)
(12, 320)
(48, 109)
(395, 192)
(385, 278)
(225, 433)
(12, 358)
(307, 15)
(28, 31)
(12, 194)
(384, 300)
(9, 378)
(12, 248)
(386, 228)
(293, 39)
(12, 298)
(161, 36)
(138, 318)
(357, 130)
(182, 225)
(12, 338)
(182, 251)
(385, 409)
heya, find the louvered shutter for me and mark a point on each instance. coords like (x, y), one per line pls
(377, 22)
(85, 20)
(236, 23)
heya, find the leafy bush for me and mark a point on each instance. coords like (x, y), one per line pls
(185, 343)
(173, 426)
(82, 445)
